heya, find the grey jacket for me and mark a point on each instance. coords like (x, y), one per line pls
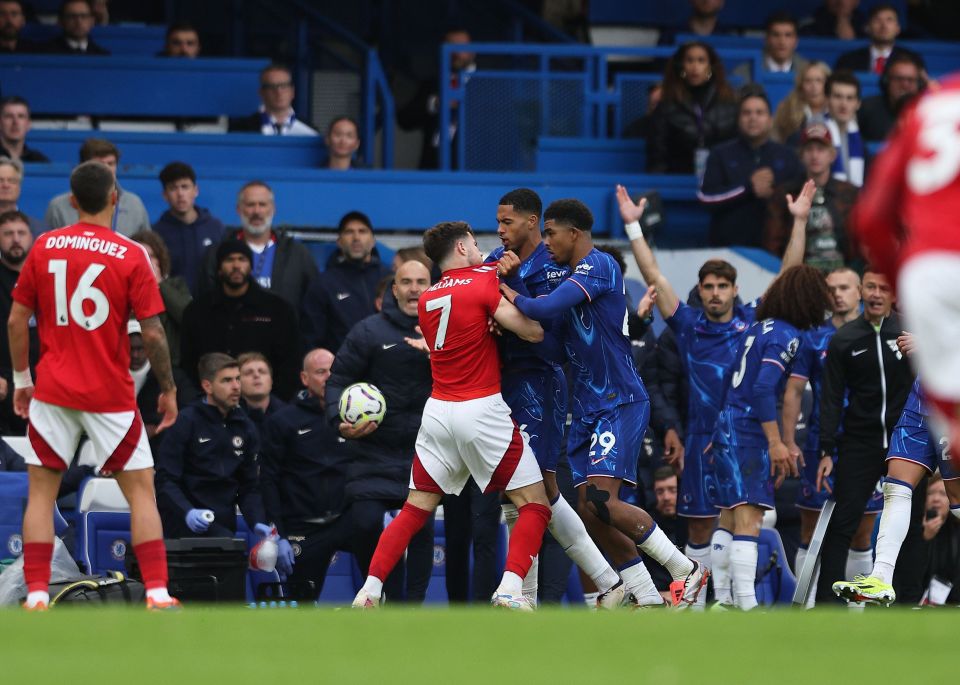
(131, 215)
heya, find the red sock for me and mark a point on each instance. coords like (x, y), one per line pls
(526, 537)
(152, 557)
(36, 565)
(395, 538)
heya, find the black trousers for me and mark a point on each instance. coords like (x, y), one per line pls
(314, 547)
(409, 579)
(856, 474)
(472, 517)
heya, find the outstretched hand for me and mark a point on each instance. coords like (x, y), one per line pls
(629, 210)
(800, 207)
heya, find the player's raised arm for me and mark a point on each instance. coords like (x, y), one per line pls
(155, 343)
(630, 212)
(510, 318)
(800, 209)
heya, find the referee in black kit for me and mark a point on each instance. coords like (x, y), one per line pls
(864, 365)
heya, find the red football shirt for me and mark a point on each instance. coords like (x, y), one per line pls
(454, 315)
(82, 282)
(911, 203)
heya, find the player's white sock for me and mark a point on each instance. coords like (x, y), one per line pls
(510, 515)
(894, 522)
(590, 599)
(637, 580)
(568, 529)
(658, 546)
(955, 510)
(510, 584)
(720, 565)
(159, 594)
(701, 554)
(374, 587)
(859, 562)
(801, 558)
(743, 563)
(36, 597)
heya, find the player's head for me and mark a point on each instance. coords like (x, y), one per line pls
(458, 35)
(276, 88)
(100, 150)
(138, 352)
(878, 297)
(220, 379)
(76, 18)
(798, 296)
(93, 188)
(234, 264)
(665, 490)
(156, 250)
(844, 286)
(518, 218)
(414, 252)
(355, 236)
(411, 281)
(15, 237)
(255, 207)
(256, 376)
(717, 286)
(182, 40)
(902, 78)
(316, 371)
(780, 36)
(180, 189)
(843, 96)
(343, 138)
(452, 245)
(567, 225)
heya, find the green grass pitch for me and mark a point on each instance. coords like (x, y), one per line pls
(395, 645)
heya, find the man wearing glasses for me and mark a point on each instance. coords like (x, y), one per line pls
(76, 20)
(903, 78)
(276, 116)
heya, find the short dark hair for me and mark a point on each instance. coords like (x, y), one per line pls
(383, 284)
(570, 212)
(176, 171)
(663, 473)
(213, 363)
(719, 268)
(523, 201)
(98, 147)
(153, 240)
(752, 90)
(842, 76)
(781, 17)
(883, 7)
(354, 216)
(414, 253)
(13, 214)
(181, 26)
(14, 99)
(340, 118)
(439, 240)
(91, 183)
(63, 6)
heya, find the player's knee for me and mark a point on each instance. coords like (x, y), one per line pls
(596, 503)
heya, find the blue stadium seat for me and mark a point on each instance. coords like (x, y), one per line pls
(105, 540)
(775, 580)
(583, 155)
(437, 588)
(13, 500)
(342, 581)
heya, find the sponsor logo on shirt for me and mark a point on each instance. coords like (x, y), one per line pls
(342, 296)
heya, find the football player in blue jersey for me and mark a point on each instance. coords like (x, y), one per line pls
(707, 341)
(610, 405)
(535, 388)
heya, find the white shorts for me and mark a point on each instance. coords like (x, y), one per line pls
(931, 310)
(119, 438)
(472, 438)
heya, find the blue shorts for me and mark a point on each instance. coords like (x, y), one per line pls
(698, 482)
(608, 443)
(538, 403)
(743, 475)
(911, 441)
(808, 497)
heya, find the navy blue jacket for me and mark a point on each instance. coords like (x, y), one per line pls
(738, 214)
(258, 416)
(340, 297)
(303, 466)
(209, 461)
(375, 351)
(188, 243)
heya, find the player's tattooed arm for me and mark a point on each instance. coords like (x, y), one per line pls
(155, 342)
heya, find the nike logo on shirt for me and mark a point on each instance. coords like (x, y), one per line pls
(342, 296)
(387, 347)
(203, 440)
(858, 352)
(304, 431)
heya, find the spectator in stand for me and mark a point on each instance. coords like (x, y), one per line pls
(344, 293)
(843, 103)
(256, 388)
(15, 243)
(410, 254)
(829, 246)
(664, 513)
(742, 173)
(240, 316)
(704, 21)
(780, 45)
(11, 183)
(903, 78)
(188, 230)
(343, 141)
(835, 19)
(807, 102)
(883, 27)
(281, 264)
(12, 20)
(76, 18)
(941, 533)
(101, 12)
(130, 216)
(14, 127)
(698, 110)
(640, 128)
(173, 289)
(275, 116)
(182, 40)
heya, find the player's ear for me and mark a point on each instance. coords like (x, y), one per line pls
(73, 202)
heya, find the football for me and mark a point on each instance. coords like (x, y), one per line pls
(362, 402)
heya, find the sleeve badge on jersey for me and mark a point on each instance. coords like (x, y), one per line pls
(791, 350)
(583, 269)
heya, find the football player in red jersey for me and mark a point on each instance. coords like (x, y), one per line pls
(81, 282)
(466, 428)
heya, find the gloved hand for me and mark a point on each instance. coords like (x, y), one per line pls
(264, 530)
(196, 522)
(285, 557)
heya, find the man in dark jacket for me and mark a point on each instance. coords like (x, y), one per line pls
(902, 79)
(866, 381)
(345, 292)
(742, 173)
(303, 474)
(186, 229)
(883, 28)
(76, 19)
(241, 317)
(256, 388)
(208, 460)
(376, 350)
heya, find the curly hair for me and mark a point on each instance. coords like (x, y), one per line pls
(675, 88)
(798, 296)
